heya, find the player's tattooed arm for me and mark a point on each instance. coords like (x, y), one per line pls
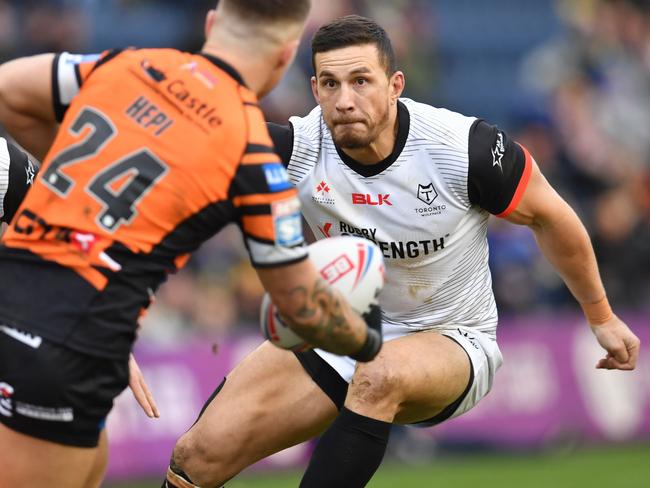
(313, 310)
(322, 317)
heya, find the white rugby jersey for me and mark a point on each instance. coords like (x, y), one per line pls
(425, 206)
(17, 174)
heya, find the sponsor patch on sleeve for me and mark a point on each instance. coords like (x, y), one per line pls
(81, 58)
(276, 177)
(287, 222)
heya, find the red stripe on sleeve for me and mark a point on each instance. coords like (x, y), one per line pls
(521, 187)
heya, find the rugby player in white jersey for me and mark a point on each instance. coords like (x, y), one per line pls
(421, 182)
(17, 174)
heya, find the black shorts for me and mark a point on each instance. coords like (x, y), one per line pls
(54, 393)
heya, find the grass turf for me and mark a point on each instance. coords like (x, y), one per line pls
(618, 467)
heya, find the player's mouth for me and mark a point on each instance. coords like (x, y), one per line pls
(348, 122)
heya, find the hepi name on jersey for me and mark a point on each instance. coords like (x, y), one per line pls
(367, 199)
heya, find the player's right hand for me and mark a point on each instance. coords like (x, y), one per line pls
(619, 341)
(374, 339)
(141, 391)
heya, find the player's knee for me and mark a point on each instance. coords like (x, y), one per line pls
(202, 462)
(190, 458)
(374, 386)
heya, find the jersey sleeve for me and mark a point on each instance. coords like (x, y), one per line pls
(17, 174)
(499, 169)
(267, 204)
(282, 136)
(69, 72)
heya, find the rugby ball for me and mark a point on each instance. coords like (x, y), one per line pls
(352, 265)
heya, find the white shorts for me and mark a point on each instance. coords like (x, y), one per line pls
(482, 350)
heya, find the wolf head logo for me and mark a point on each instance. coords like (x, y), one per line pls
(427, 193)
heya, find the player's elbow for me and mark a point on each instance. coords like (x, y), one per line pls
(26, 89)
(5, 87)
(12, 96)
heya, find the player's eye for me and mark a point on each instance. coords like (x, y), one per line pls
(361, 81)
(329, 83)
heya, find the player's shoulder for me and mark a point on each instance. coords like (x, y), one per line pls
(441, 125)
(309, 126)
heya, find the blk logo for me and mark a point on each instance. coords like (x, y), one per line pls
(366, 199)
(427, 193)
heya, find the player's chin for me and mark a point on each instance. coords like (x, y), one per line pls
(350, 138)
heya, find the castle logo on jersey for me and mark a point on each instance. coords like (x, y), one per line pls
(427, 193)
(153, 73)
(6, 392)
(322, 194)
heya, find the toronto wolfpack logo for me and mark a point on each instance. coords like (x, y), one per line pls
(427, 193)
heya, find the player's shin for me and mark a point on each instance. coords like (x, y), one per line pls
(177, 479)
(349, 452)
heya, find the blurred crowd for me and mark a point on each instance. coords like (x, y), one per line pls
(570, 80)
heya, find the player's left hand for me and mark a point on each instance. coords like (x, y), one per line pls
(619, 341)
(140, 390)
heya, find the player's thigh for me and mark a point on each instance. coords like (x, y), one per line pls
(100, 462)
(27, 462)
(413, 378)
(267, 403)
(53, 402)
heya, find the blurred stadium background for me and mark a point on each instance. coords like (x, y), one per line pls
(568, 78)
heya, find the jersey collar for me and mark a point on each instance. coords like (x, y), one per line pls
(221, 64)
(367, 170)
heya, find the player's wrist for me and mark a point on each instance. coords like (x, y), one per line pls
(597, 313)
(371, 347)
(374, 338)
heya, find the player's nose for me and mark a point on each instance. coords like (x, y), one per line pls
(345, 99)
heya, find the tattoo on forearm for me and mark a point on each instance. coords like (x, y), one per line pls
(323, 318)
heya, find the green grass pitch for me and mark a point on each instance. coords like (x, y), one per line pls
(609, 467)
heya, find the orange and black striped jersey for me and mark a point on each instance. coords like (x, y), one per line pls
(157, 151)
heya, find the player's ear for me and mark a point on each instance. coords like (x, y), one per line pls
(288, 53)
(209, 22)
(314, 88)
(397, 83)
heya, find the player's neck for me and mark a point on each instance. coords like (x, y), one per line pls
(382, 146)
(254, 71)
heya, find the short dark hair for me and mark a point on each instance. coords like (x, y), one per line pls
(354, 30)
(270, 10)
